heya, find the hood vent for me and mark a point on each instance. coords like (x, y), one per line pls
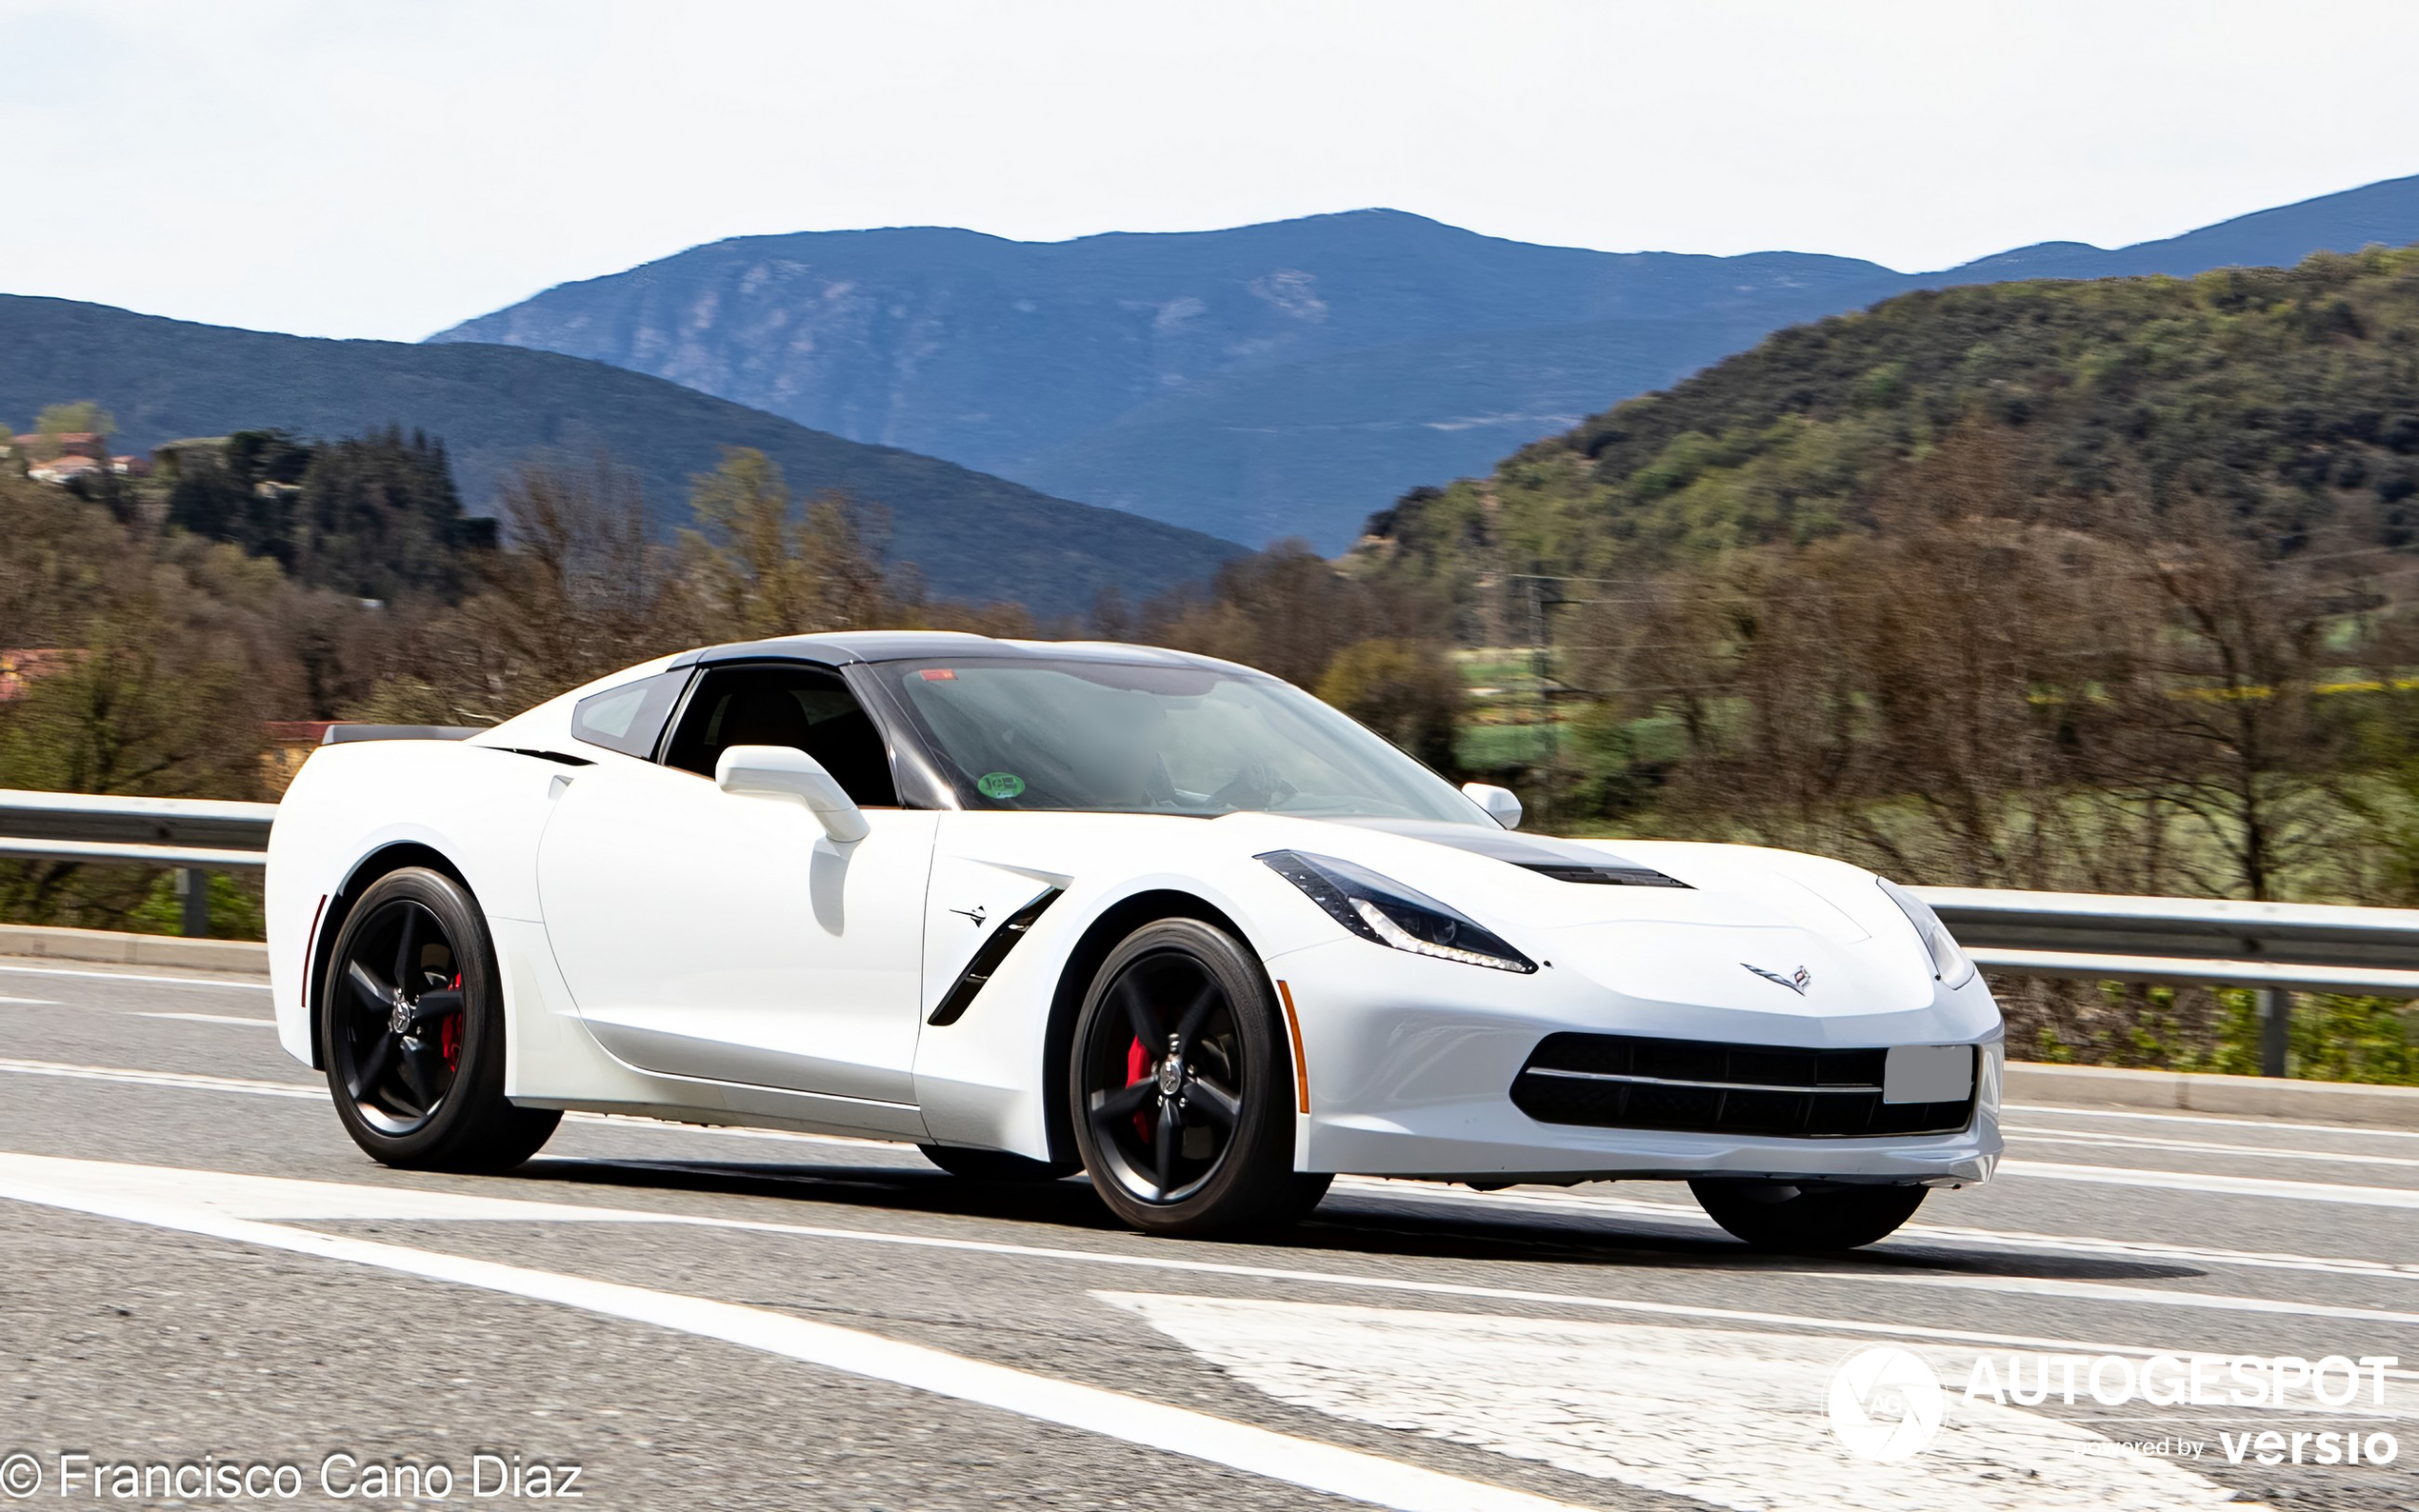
(1543, 854)
(1605, 874)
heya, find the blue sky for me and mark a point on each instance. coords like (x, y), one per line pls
(385, 170)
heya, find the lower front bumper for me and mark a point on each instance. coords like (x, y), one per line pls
(1411, 1066)
(1502, 1145)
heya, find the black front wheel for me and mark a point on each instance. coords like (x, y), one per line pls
(412, 1027)
(1184, 1095)
(1807, 1218)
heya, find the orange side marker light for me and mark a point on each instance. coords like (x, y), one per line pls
(1301, 1066)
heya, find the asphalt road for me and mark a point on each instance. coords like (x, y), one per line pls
(197, 1267)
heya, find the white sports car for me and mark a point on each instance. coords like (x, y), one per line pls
(1040, 907)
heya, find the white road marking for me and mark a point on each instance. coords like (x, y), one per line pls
(2134, 1249)
(238, 1196)
(183, 1080)
(1688, 1214)
(195, 1082)
(1314, 1465)
(2112, 1176)
(30, 1002)
(1398, 1190)
(2130, 1296)
(2215, 1185)
(2014, 1285)
(1732, 1419)
(2261, 1125)
(128, 976)
(2137, 1141)
(213, 1018)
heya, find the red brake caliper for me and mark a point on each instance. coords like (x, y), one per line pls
(450, 1033)
(1138, 1068)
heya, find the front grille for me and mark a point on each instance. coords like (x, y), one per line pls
(1621, 1081)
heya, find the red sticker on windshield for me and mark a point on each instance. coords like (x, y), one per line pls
(937, 674)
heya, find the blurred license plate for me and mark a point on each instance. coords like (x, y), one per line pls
(1928, 1073)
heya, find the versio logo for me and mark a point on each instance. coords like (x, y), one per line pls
(1885, 1403)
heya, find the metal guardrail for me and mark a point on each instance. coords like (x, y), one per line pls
(196, 836)
(2275, 948)
(2310, 947)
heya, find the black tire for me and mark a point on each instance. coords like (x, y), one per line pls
(1183, 1091)
(412, 1021)
(995, 1165)
(1811, 1218)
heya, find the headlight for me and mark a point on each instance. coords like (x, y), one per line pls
(1948, 962)
(1392, 914)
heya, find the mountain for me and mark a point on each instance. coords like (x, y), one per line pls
(973, 536)
(1266, 380)
(1189, 377)
(2284, 396)
(2385, 214)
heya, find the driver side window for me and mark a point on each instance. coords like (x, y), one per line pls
(803, 707)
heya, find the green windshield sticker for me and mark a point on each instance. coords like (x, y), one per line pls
(1000, 784)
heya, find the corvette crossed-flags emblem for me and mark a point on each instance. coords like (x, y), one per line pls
(1796, 981)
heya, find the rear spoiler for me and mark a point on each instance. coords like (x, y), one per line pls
(343, 734)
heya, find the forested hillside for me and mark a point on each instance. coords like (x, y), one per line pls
(496, 409)
(2287, 396)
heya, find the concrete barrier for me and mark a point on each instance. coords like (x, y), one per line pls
(227, 957)
(2218, 1096)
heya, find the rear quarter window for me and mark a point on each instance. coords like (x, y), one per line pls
(629, 718)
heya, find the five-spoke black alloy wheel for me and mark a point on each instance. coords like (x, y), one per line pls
(399, 1042)
(1183, 1093)
(412, 1031)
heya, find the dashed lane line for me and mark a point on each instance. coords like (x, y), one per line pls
(186, 1081)
(213, 1018)
(2096, 1140)
(130, 976)
(2213, 1184)
(2358, 1130)
(317, 1092)
(2130, 1296)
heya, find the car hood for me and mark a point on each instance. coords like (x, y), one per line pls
(1662, 920)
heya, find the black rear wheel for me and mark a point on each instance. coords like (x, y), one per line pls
(1808, 1217)
(1184, 1094)
(412, 1027)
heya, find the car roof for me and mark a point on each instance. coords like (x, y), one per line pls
(838, 646)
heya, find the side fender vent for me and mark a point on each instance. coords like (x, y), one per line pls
(987, 958)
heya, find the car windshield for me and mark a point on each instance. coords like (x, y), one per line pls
(1127, 737)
